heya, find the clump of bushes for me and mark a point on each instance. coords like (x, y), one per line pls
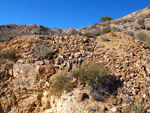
(130, 33)
(97, 77)
(92, 74)
(89, 35)
(144, 37)
(106, 18)
(136, 108)
(42, 52)
(106, 29)
(123, 21)
(9, 54)
(127, 20)
(60, 83)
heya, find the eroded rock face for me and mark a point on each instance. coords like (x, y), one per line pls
(25, 76)
(24, 84)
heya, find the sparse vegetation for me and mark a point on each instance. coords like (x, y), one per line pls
(127, 20)
(123, 21)
(136, 108)
(130, 33)
(9, 54)
(106, 18)
(42, 52)
(88, 73)
(89, 35)
(60, 83)
(106, 29)
(144, 37)
(118, 21)
(74, 32)
(94, 26)
(92, 74)
(115, 29)
(141, 23)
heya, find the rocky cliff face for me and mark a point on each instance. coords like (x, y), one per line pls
(25, 82)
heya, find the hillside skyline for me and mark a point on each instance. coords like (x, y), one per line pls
(65, 14)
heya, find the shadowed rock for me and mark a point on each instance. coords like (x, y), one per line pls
(104, 39)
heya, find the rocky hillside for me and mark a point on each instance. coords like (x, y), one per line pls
(8, 32)
(26, 78)
(102, 68)
(136, 24)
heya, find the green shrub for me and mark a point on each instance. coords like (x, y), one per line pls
(106, 29)
(42, 52)
(9, 54)
(144, 36)
(60, 83)
(106, 18)
(92, 74)
(130, 33)
(89, 35)
(135, 108)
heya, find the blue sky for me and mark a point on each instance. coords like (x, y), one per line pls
(65, 13)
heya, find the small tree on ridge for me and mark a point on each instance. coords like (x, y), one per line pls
(106, 18)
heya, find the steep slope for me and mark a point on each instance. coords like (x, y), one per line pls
(134, 24)
(138, 13)
(25, 83)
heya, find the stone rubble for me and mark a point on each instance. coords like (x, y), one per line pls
(24, 84)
